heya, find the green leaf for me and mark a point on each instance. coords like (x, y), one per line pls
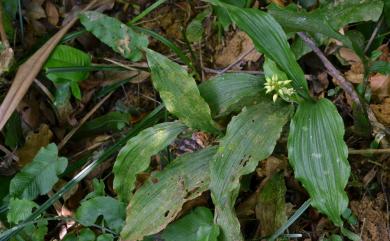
(196, 226)
(13, 133)
(341, 13)
(270, 39)
(112, 121)
(251, 137)
(230, 92)
(105, 237)
(85, 234)
(121, 38)
(179, 92)
(111, 209)
(161, 198)
(135, 156)
(271, 205)
(194, 30)
(98, 189)
(66, 56)
(39, 176)
(318, 154)
(19, 209)
(380, 67)
(270, 69)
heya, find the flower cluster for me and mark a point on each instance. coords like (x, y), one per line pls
(279, 87)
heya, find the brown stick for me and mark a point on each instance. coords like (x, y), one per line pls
(344, 84)
(369, 151)
(29, 70)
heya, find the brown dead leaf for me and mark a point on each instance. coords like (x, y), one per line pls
(34, 142)
(382, 111)
(356, 73)
(35, 10)
(349, 55)
(372, 217)
(239, 44)
(52, 13)
(271, 166)
(380, 86)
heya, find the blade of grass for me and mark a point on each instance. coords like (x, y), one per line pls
(149, 120)
(29, 70)
(146, 11)
(290, 221)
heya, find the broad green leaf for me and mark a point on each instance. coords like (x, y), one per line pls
(135, 156)
(179, 92)
(19, 209)
(111, 209)
(85, 234)
(230, 92)
(112, 121)
(318, 154)
(341, 13)
(195, 226)
(296, 20)
(270, 68)
(161, 198)
(39, 176)
(271, 205)
(98, 189)
(13, 133)
(105, 237)
(251, 137)
(33, 232)
(270, 39)
(66, 56)
(386, 11)
(380, 67)
(121, 38)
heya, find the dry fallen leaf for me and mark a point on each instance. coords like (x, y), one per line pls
(382, 111)
(52, 13)
(356, 74)
(380, 86)
(239, 44)
(34, 142)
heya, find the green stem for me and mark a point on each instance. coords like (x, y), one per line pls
(147, 11)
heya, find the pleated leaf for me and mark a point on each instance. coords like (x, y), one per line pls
(251, 137)
(39, 176)
(135, 156)
(230, 92)
(19, 210)
(160, 199)
(270, 39)
(121, 38)
(318, 154)
(179, 92)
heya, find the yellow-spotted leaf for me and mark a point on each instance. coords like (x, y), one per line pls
(251, 137)
(179, 92)
(318, 154)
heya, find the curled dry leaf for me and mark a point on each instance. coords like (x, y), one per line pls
(382, 111)
(52, 13)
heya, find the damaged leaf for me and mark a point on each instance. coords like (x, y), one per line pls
(161, 198)
(251, 137)
(121, 38)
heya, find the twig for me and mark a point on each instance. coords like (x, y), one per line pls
(83, 120)
(369, 151)
(238, 60)
(216, 71)
(344, 84)
(374, 33)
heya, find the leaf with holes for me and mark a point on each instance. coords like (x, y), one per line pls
(318, 154)
(251, 137)
(111, 209)
(179, 92)
(230, 92)
(121, 38)
(135, 156)
(161, 198)
(39, 176)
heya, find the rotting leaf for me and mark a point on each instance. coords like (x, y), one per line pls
(251, 137)
(135, 156)
(271, 205)
(156, 204)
